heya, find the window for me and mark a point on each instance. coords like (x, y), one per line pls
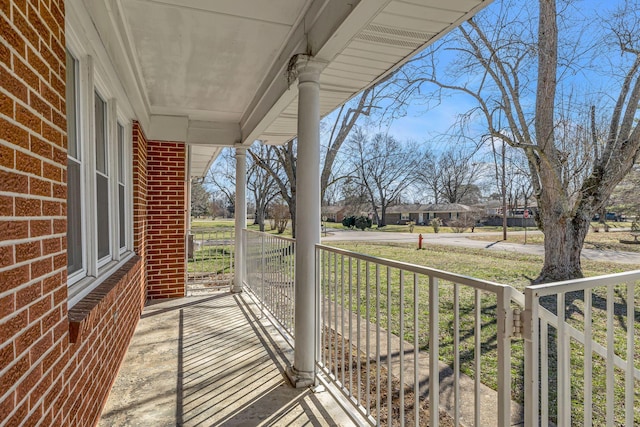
(122, 205)
(99, 212)
(75, 257)
(102, 178)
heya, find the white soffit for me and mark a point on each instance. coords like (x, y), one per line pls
(399, 31)
(202, 157)
(214, 71)
(206, 59)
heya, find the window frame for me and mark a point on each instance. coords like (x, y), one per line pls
(77, 275)
(91, 81)
(124, 160)
(107, 174)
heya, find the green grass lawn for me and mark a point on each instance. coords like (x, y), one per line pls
(600, 240)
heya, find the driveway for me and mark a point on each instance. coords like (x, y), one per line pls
(463, 240)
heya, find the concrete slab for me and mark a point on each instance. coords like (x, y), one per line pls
(209, 361)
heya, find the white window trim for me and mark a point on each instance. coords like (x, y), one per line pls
(91, 221)
(127, 171)
(82, 272)
(93, 77)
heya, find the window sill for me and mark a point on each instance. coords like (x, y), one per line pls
(82, 310)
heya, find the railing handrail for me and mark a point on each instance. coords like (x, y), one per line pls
(545, 289)
(211, 229)
(275, 236)
(480, 284)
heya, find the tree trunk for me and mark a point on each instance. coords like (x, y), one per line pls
(292, 212)
(382, 221)
(563, 240)
(260, 218)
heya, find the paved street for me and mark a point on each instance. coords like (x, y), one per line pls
(463, 240)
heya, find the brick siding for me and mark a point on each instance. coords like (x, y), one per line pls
(166, 226)
(45, 379)
(140, 194)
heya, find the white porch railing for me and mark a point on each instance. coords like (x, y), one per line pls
(579, 363)
(270, 262)
(582, 354)
(376, 312)
(209, 258)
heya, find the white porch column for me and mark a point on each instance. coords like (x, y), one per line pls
(241, 217)
(302, 373)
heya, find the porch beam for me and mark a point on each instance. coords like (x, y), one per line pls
(326, 29)
(240, 217)
(306, 329)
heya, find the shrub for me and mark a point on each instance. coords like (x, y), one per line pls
(436, 223)
(362, 222)
(459, 226)
(280, 217)
(635, 225)
(349, 221)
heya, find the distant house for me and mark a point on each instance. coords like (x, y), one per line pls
(334, 213)
(424, 213)
(516, 216)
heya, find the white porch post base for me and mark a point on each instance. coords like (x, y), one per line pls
(301, 379)
(307, 330)
(240, 218)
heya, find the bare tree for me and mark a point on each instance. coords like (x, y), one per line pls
(344, 122)
(261, 184)
(625, 197)
(200, 199)
(222, 177)
(429, 175)
(458, 171)
(384, 167)
(280, 163)
(518, 75)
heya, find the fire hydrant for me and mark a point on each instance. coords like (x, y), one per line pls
(420, 241)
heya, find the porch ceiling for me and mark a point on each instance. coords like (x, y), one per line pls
(213, 73)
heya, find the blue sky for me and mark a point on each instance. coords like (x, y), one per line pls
(423, 125)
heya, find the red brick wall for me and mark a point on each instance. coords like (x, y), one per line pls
(140, 194)
(44, 378)
(101, 327)
(166, 228)
(33, 264)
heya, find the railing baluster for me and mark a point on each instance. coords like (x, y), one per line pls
(629, 380)
(327, 299)
(342, 317)
(367, 324)
(456, 354)
(389, 367)
(358, 348)
(610, 354)
(416, 351)
(588, 360)
(351, 310)
(335, 311)
(434, 352)
(564, 383)
(477, 358)
(378, 290)
(504, 356)
(401, 335)
(544, 394)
